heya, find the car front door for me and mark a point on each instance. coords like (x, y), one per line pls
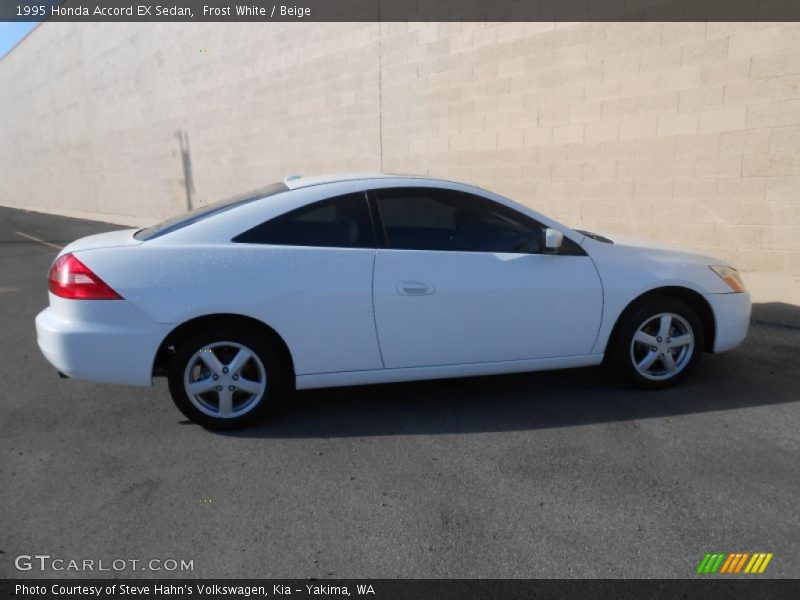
(463, 279)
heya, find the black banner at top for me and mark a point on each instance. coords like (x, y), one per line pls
(399, 10)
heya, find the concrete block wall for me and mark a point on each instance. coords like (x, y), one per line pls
(92, 115)
(686, 133)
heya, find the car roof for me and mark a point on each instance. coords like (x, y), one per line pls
(294, 182)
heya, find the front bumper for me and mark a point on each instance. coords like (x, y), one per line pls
(119, 352)
(731, 317)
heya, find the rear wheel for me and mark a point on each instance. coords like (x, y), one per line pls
(227, 376)
(659, 343)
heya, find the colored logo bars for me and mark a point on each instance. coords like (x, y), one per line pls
(732, 563)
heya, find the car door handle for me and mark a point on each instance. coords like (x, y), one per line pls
(414, 288)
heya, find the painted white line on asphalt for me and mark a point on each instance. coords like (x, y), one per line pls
(35, 239)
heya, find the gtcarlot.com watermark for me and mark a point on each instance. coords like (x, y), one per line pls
(46, 562)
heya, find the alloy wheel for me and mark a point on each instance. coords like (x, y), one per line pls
(662, 346)
(225, 379)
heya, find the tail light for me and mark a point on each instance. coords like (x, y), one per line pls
(70, 278)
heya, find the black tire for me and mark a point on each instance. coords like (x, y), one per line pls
(624, 354)
(275, 372)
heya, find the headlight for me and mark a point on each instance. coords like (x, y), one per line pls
(730, 276)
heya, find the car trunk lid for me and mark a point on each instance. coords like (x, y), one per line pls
(111, 239)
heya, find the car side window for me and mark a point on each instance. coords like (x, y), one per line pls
(339, 222)
(449, 220)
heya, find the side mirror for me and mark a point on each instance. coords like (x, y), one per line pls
(552, 240)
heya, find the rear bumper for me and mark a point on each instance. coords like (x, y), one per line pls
(732, 318)
(122, 352)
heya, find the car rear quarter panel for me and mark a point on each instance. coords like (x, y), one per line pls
(318, 300)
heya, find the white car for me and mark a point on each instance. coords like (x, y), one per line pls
(318, 282)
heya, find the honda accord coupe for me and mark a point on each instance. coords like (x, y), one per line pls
(318, 282)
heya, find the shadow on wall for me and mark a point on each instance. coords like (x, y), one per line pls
(760, 373)
(186, 161)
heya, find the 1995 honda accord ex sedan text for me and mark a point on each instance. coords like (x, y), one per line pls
(367, 279)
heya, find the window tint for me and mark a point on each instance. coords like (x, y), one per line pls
(436, 219)
(340, 222)
(203, 212)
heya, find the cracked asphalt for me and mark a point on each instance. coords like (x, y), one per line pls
(562, 474)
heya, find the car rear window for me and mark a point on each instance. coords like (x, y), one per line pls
(338, 222)
(203, 212)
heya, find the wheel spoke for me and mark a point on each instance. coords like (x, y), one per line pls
(681, 340)
(645, 339)
(241, 358)
(211, 361)
(225, 402)
(669, 362)
(249, 386)
(198, 387)
(664, 327)
(647, 361)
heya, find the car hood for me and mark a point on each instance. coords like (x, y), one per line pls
(111, 239)
(659, 251)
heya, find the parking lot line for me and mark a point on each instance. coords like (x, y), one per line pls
(35, 239)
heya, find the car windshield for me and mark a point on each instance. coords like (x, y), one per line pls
(202, 212)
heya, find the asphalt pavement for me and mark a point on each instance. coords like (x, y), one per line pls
(561, 474)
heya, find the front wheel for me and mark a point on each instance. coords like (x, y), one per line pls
(224, 377)
(659, 343)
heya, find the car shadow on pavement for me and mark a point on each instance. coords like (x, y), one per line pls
(761, 372)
